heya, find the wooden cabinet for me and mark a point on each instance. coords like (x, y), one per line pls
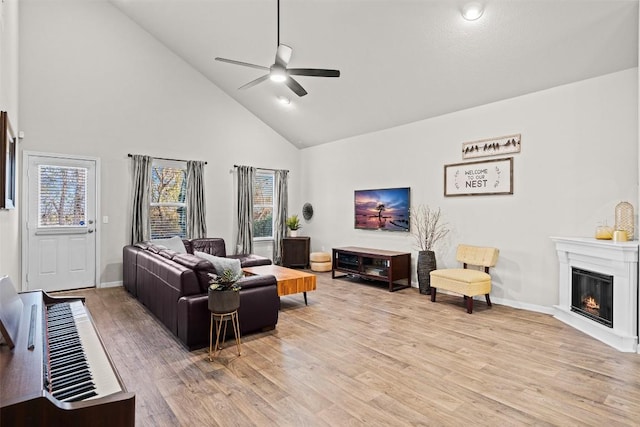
(374, 264)
(295, 251)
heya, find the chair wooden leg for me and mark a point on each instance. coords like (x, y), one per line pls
(469, 304)
(433, 294)
(488, 299)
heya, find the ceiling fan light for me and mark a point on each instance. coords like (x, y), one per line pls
(472, 11)
(278, 75)
(284, 100)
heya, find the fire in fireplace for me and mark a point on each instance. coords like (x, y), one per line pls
(592, 295)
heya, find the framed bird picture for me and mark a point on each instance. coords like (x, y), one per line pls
(492, 146)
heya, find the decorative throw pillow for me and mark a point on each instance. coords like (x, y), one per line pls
(221, 264)
(174, 243)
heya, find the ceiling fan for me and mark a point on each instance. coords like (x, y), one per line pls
(279, 72)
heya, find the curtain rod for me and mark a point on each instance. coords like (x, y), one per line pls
(164, 158)
(265, 169)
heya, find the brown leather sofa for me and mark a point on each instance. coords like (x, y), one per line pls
(173, 286)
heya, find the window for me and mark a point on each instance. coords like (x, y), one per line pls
(62, 196)
(263, 205)
(168, 212)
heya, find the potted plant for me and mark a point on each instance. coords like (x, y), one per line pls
(293, 223)
(427, 230)
(224, 292)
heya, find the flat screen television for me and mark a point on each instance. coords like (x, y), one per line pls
(383, 209)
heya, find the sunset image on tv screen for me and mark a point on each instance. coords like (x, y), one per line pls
(385, 209)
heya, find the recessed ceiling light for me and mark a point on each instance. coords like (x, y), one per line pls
(472, 11)
(284, 100)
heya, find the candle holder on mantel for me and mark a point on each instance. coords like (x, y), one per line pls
(604, 232)
(624, 218)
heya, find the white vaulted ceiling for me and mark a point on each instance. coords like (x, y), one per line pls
(400, 60)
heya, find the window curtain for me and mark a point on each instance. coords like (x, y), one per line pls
(244, 238)
(196, 205)
(280, 213)
(140, 198)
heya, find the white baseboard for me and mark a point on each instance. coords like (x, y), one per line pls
(514, 304)
(109, 284)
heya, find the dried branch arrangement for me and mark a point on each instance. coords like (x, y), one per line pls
(427, 228)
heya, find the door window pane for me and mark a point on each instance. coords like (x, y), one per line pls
(62, 196)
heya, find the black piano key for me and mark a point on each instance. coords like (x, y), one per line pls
(61, 332)
(63, 335)
(74, 391)
(67, 360)
(71, 380)
(64, 376)
(65, 347)
(62, 340)
(65, 351)
(82, 396)
(63, 370)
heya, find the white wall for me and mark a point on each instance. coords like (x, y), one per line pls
(579, 158)
(94, 83)
(9, 219)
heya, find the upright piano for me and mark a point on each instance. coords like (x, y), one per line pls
(54, 368)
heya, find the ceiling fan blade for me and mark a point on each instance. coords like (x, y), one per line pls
(283, 55)
(295, 86)
(314, 72)
(252, 83)
(244, 64)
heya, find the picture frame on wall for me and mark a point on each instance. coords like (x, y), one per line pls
(486, 177)
(8, 147)
(492, 146)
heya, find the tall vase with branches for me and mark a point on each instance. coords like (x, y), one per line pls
(428, 229)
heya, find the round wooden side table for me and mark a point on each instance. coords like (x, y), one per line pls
(218, 319)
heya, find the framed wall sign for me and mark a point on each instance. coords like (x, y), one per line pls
(479, 178)
(8, 143)
(492, 146)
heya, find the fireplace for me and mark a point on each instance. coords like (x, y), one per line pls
(598, 289)
(592, 295)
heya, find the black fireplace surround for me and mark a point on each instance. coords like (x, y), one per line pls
(592, 295)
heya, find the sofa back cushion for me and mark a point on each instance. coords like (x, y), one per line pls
(212, 246)
(173, 243)
(200, 266)
(220, 264)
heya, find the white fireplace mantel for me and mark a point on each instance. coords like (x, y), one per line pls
(617, 259)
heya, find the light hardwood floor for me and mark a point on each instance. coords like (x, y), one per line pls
(359, 355)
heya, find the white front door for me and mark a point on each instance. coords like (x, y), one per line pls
(60, 222)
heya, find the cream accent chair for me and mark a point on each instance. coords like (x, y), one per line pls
(468, 282)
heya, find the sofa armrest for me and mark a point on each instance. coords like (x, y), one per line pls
(257, 281)
(250, 260)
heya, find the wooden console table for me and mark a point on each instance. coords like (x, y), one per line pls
(374, 264)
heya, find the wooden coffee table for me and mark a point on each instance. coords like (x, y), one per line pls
(289, 281)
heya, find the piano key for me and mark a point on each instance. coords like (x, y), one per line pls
(63, 370)
(70, 392)
(103, 375)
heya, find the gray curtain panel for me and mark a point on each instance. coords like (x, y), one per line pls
(196, 205)
(244, 238)
(140, 229)
(280, 213)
